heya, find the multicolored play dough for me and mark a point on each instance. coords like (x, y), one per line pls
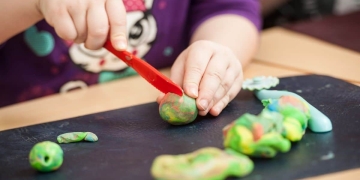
(46, 156)
(295, 114)
(207, 163)
(178, 110)
(76, 137)
(257, 136)
(318, 121)
(282, 121)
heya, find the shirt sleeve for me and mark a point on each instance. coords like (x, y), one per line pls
(201, 10)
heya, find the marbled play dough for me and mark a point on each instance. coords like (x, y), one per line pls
(318, 121)
(178, 110)
(295, 112)
(281, 121)
(208, 163)
(76, 137)
(257, 136)
(46, 156)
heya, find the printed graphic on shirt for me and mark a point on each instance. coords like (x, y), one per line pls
(141, 29)
(40, 42)
(71, 85)
(95, 60)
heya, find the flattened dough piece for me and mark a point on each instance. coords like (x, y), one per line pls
(208, 163)
(76, 137)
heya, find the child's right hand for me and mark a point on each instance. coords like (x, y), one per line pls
(87, 21)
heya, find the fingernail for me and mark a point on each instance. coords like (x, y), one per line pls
(194, 92)
(217, 110)
(204, 104)
(192, 89)
(202, 113)
(121, 44)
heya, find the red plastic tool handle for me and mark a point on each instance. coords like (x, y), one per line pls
(148, 72)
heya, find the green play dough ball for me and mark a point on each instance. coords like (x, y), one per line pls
(178, 110)
(46, 156)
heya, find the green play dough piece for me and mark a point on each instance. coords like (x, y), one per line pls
(208, 163)
(178, 110)
(46, 156)
(76, 137)
(257, 135)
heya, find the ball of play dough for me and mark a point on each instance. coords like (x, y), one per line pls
(46, 156)
(178, 110)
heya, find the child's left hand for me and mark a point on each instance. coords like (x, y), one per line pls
(209, 72)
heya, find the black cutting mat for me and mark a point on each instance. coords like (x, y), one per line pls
(130, 138)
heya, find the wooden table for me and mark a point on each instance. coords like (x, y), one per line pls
(282, 53)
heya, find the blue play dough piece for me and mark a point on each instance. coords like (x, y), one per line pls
(273, 106)
(40, 42)
(318, 121)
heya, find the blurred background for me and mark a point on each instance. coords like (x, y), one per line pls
(280, 12)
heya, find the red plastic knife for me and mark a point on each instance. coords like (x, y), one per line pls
(152, 75)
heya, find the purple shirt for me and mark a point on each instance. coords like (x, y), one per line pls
(37, 62)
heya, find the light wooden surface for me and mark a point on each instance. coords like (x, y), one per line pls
(282, 53)
(293, 51)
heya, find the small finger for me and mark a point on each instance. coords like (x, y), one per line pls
(98, 26)
(205, 112)
(222, 103)
(117, 19)
(78, 15)
(195, 65)
(160, 97)
(228, 81)
(211, 80)
(178, 69)
(64, 26)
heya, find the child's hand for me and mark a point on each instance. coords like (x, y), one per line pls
(209, 72)
(87, 21)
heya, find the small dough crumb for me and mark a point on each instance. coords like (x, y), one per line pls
(328, 156)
